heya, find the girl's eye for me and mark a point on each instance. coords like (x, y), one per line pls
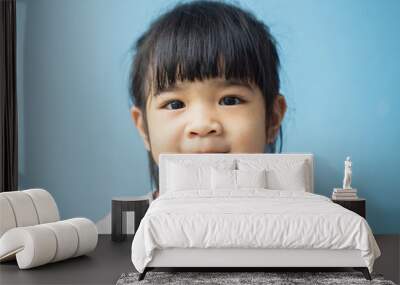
(230, 100)
(174, 104)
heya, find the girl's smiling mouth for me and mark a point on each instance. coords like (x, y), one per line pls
(206, 146)
(210, 151)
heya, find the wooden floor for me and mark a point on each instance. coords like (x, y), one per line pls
(389, 262)
(111, 259)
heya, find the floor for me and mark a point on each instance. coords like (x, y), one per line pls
(389, 262)
(102, 266)
(111, 259)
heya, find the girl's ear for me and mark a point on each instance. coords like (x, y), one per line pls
(278, 113)
(138, 119)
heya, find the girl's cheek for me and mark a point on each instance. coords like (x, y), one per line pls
(166, 130)
(251, 126)
(245, 119)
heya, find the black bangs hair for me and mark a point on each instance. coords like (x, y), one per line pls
(209, 39)
(206, 39)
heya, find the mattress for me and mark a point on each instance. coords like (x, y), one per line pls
(250, 219)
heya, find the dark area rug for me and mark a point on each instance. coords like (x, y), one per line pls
(227, 278)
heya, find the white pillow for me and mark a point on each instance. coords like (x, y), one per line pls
(184, 178)
(236, 179)
(288, 179)
(282, 174)
(251, 178)
(189, 175)
(223, 179)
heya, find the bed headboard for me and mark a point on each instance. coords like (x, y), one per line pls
(210, 157)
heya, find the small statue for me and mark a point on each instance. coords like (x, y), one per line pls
(347, 174)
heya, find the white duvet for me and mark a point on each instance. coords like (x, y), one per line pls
(251, 218)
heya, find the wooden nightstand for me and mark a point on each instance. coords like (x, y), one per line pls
(356, 205)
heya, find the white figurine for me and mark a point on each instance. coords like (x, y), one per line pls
(347, 174)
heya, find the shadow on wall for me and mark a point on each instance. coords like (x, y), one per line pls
(326, 176)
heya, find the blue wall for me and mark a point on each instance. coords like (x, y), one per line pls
(340, 75)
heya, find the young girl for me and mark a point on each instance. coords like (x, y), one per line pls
(205, 79)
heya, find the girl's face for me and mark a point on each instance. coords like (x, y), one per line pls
(210, 116)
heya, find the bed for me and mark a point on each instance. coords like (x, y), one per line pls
(247, 210)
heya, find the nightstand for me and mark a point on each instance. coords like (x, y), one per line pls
(119, 206)
(356, 205)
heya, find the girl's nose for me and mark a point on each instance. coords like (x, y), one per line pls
(204, 126)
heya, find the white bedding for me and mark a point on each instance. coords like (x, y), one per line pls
(250, 218)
